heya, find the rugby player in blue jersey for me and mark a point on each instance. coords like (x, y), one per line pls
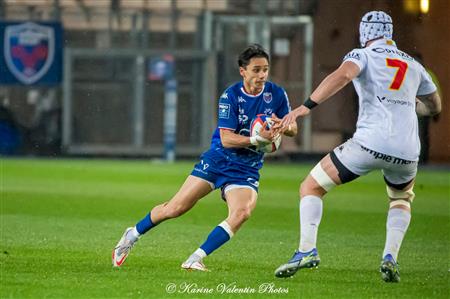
(231, 164)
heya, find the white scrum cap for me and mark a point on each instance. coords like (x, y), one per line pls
(375, 24)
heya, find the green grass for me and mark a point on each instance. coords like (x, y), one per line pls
(60, 220)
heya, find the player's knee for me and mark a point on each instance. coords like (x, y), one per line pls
(305, 188)
(310, 187)
(241, 215)
(400, 198)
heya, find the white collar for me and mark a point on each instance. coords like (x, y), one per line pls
(383, 41)
(252, 95)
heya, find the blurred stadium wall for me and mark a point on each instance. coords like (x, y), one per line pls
(109, 105)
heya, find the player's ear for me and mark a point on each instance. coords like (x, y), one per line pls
(242, 71)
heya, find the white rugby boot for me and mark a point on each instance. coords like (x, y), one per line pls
(123, 248)
(194, 262)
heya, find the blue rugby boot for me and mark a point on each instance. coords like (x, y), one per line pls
(300, 260)
(389, 269)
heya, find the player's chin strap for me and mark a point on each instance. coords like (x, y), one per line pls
(400, 197)
(259, 140)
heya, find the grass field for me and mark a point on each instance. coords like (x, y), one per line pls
(60, 220)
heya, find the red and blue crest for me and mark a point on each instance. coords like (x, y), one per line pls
(29, 50)
(267, 96)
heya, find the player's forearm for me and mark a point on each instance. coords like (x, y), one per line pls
(230, 139)
(334, 82)
(330, 86)
(428, 105)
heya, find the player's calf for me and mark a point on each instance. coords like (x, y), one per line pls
(173, 211)
(398, 220)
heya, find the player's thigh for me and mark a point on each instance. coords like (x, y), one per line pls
(321, 178)
(353, 160)
(344, 164)
(240, 199)
(330, 169)
(193, 189)
(400, 176)
(333, 170)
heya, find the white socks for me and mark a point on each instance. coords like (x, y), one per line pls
(396, 226)
(200, 253)
(310, 216)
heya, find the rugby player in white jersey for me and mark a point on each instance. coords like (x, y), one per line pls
(393, 89)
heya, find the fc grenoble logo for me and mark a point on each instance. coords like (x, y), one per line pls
(267, 96)
(29, 50)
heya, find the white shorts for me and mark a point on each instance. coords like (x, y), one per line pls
(361, 160)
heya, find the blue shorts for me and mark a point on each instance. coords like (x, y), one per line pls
(221, 171)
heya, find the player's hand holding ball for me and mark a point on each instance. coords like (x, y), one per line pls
(263, 135)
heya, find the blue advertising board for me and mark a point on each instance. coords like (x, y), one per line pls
(32, 53)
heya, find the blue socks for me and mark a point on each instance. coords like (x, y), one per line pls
(145, 225)
(218, 236)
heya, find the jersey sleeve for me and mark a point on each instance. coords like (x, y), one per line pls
(358, 57)
(227, 111)
(426, 85)
(284, 107)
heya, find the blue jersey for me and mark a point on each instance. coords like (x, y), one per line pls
(239, 166)
(237, 109)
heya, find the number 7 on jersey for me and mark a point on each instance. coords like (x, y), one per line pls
(402, 67)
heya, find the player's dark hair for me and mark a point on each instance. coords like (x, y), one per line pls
(254, 50)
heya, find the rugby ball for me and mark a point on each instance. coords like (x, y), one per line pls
(255, 127)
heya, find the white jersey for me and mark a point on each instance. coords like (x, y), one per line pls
(387, 87)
